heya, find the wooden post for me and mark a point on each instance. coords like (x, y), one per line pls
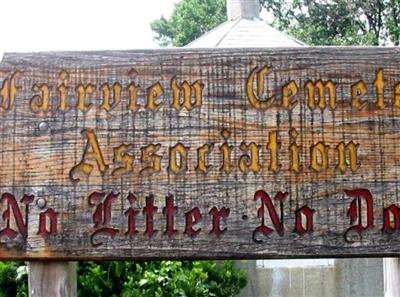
(57, 279)
(391, 276)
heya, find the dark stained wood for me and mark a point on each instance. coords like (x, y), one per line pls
(41, 148)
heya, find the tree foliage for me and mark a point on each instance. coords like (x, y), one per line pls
(189, 20)
(338, 22)
(160, 278)
(315, 22)
(139, 279)
(13, 279)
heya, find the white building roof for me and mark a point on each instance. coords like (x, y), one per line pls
(243, 32)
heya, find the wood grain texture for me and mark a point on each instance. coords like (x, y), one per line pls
(41, 144)
(56, 279)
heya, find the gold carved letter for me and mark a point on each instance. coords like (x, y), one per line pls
(132, 90)
(319, 156)
(188, 90)
(149, 156)
(121, 156)
(8, 91)
(351, 149)
(107, 104)
(294, 151)
(83, 91)
(288, 92)
(321, 91)
(92, 152)
(63, 90)
(40, 102)
(153, 93)
(358, 90)
(273, 146)
(202, 153)
(250, 161)
(174, 165)
(226, 150)
(380, 89)
(253, 98)
(397, 95)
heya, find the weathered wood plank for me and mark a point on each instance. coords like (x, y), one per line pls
(114, 164)
(56, 279)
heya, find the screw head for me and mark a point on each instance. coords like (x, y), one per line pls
(41, 203)
(44, 126)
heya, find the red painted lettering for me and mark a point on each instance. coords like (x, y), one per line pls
(276, 221)
(355, 211)
(216, 219)
(131, 214)
(394, 212)
(149, 211)
(169, 211)
(102, 215)
(307, 213)
(192, 217)
(52, 216)
(13, 206)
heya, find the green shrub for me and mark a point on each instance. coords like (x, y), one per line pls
(160, 278)
(13, 279)
(139, 278)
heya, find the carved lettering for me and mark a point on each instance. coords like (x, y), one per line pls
(217, 215)
(107, 103)
(276, 221)
(351, 149)
(391, 219)
(153, 93)
(8, 91)
(175, 166)
(83, 92)
(289, 91)
(273, 147)
(304, 214)
(51, 216)
(40, 102)
(358, 90)
(169, 211)
(192, 218)
(356, 213)
(102, 215)
(92, 152)
(13, 207)
(63, 90)
(188, 90)
(319, 156)
(150, 158)
(149, 210)
(320, 89)
(122, 156)
(254, 99)
(251, 161)
(202, 153)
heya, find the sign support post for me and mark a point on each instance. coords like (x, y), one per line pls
(52, 279)
(391, 276)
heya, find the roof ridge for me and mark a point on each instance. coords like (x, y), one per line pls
(209, 32)
(229, 31)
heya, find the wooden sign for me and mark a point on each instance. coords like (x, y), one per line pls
(240, 153)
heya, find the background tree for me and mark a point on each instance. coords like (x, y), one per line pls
(315, 22)
(189, 20)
